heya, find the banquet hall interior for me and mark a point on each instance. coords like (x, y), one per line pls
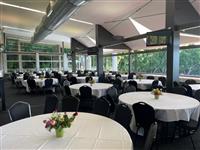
(126, 71)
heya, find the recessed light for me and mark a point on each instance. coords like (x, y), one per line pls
(81, 21)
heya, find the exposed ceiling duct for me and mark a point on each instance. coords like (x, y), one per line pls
(58, 11)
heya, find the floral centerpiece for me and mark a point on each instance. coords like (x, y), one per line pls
(91, 82)
(156, 92)
(59, 121)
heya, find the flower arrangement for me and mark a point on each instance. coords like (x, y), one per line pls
(156, 92)
(59, 121)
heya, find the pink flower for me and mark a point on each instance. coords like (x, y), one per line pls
(53, 122)
(75, 114)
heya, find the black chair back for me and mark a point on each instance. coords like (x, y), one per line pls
(112, 92)
(31, 83)
(19, 110)
(48, 83)
(130, 76)
(155, 85)
(189, 90)
(73, 80)
(197, 95)
(51, 103)
(123, 115)
(150, 77)
(129, 88)
(67, 90)
(133, 83)
(102, 106)
(163, 80)
(70, 104)
(180, 90)
(85, 91)
(144, 115)
(190, 81)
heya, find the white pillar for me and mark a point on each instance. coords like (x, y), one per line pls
(5, 63)
(65, 62)
(37, 61)
(1, 61)
(20, 63)
(89, 63)
(114, 63)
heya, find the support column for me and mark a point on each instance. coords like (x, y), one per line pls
(89, 63)
(37, 62)
(173, 46)
(114, 63)
(20, 63)
(65, 62)
(129, 61)
(60, 63)
(100, 61)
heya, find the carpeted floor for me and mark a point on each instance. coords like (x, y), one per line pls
(37, 105)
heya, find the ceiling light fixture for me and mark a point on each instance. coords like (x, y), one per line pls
(94, 41)
(19, 29)
(190, 35)
(24, 8)
(81, 21)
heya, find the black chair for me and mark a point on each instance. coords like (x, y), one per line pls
(197, 95)
(118, 84)
(180, 90)
(123, 116)
(86, 99)
(129, 88)
(19, 110)
(87, 79)
(117, 76)
(150, 77)
(31, 84)
(112, 92)
(73, 80)
(176, 84)
(131, 75)
(13, 77)
(102, 106)
(51, 103)
(144, 116)
(163, 80)
(48, 85)
(67, 90)
(190, 81)
(155, 85)
(26, 76)
(189, 90)
(133, 83)
(70, 104)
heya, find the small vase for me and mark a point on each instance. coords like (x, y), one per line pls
(156, 96)
(59, 132)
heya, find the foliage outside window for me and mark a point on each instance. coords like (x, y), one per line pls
(122, 63)
(107, 63)
(190, 61)
(28, 65)
(11, 45)
(12, 57)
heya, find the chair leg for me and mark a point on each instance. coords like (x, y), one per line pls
(192, 142)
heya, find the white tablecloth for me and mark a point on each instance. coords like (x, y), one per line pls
(195, 86)
(98, 89)
(88, 131)
(39, 82)
(145, 84)
(169, 107)
(82, 79)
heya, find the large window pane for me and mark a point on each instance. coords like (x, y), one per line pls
(28, 57)
(190, 61)
(107, 63)
(26, 65)
(122, 63)
(45, 58)
(12, 57)
(13, 65)
(46, 65)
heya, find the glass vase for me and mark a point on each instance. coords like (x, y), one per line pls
(59, 132)
(156, 96)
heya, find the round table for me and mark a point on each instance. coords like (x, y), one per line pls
(88, 131)
(98, 89)
(169, 107)
(39, 82)
(82, 79)
(144, 84)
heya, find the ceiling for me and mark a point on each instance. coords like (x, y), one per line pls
(111, 14)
